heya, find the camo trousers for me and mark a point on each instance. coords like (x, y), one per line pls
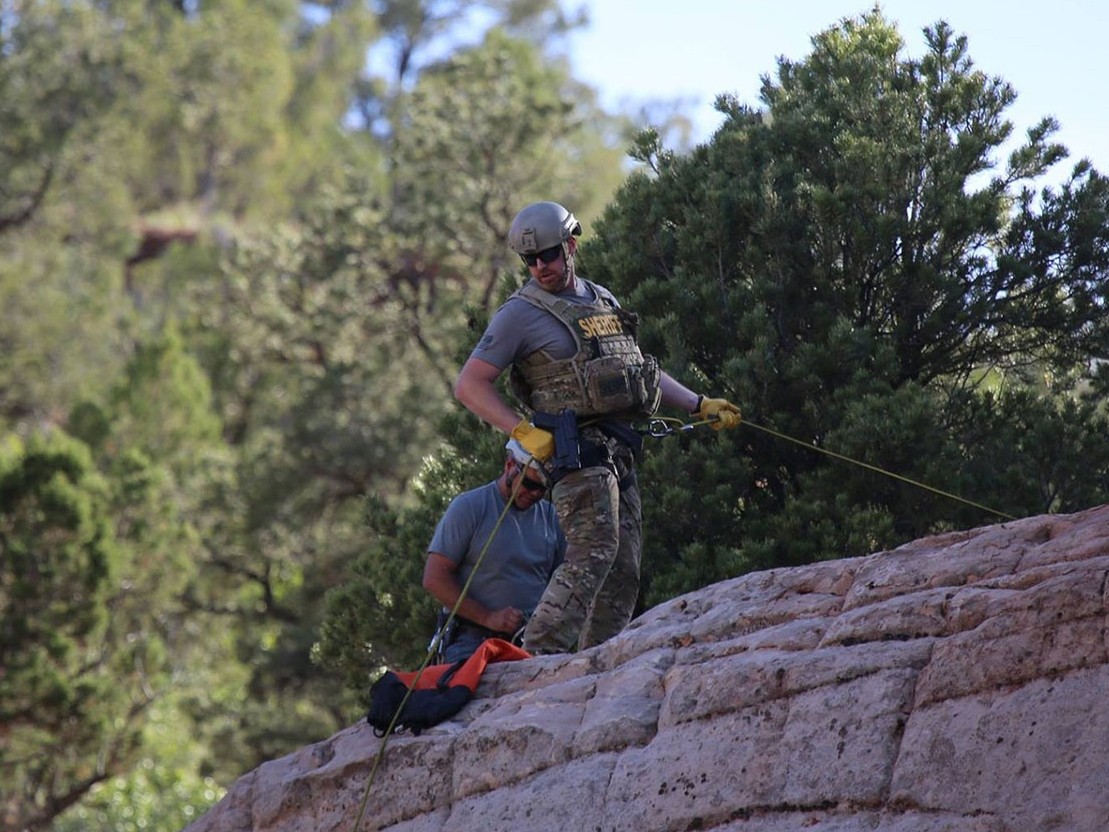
(591, 596)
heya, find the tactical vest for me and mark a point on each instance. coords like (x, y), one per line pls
(608, 376)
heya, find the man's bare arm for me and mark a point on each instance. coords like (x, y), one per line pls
(476, 390)
(441, 581)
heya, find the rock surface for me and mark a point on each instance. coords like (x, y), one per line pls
(956, 684)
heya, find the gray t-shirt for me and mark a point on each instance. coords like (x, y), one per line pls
(519, 328)
(519, 562)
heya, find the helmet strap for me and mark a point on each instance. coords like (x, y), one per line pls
(566, 264)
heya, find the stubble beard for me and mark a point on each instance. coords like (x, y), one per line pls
(565, 279)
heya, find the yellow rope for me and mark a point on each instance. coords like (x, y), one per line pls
(430, 652)
(878, 470)
(683, 426)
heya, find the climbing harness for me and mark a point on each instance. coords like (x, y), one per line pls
(447, 627)
(661, 426)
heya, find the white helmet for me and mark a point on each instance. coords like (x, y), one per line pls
(526, 461)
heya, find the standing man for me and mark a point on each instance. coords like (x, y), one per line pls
(523, 551)
(571, 347)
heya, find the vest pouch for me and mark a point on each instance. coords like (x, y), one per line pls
(647, 380)
(614, 386)
(607, 385)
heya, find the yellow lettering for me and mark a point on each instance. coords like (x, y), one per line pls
(600, 325)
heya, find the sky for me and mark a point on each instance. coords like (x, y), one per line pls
(1053, 53)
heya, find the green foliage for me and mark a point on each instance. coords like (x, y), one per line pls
(239, 106)
(487, 131)
(62, 67)
(69, 694)
(1038, 451)
(59, 69)
(846, 266)
(382, 617)
(162, 793)
(98, 549)
(163, 404)
(152, 798)
(239, 268)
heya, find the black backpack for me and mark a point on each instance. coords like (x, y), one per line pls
(422, 709)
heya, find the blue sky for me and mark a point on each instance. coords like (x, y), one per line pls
(1053, 53)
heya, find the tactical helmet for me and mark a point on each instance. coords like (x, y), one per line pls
(540, 226)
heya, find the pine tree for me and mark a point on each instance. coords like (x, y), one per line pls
(852, 268)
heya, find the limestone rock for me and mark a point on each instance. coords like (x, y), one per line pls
(955, 684)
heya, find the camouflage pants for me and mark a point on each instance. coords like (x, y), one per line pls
(592, 594)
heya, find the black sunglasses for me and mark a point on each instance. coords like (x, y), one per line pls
(528, 484)
(547, 255)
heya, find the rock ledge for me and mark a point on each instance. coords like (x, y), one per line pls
(955, 684)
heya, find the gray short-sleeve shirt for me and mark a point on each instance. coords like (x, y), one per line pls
(518, 564)
(519, 328)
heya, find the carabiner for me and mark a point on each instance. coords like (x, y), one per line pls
(659, 428)
(665, 426)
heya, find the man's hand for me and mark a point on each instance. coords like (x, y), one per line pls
(506, 620)
(720, 412)
(536, 441)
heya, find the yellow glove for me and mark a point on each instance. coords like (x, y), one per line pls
(722, 412)
(536, 441)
